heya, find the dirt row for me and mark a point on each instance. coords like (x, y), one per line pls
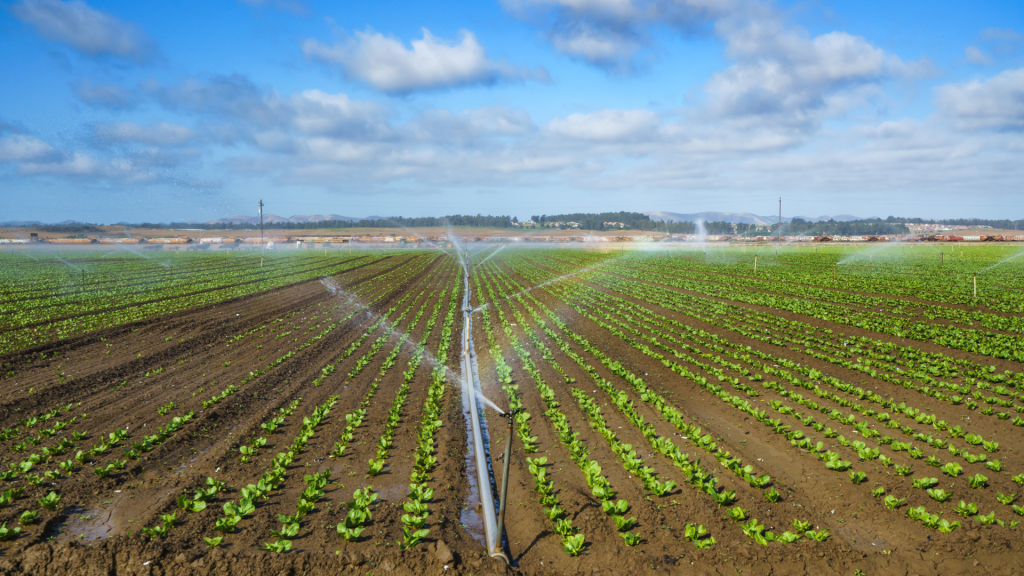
(97, 530)
(866, 529)
(105, 515)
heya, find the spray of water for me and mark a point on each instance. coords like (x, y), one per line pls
(862, 254)
(59, 259)
(555, 279)
(332, 287)
(702, 234)
(489, 256)
(430, 243)
(1004, 261)
(137, 253)
(491, 404)
(460, 250)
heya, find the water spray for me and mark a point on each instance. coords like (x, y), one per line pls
(1004, 261)
(498, 551)
(489, 256)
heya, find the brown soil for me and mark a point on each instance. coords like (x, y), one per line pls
(96, 529)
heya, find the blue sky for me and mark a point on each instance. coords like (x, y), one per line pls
(132, 111)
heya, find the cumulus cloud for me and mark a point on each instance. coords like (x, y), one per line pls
(239, 107)
(156, 134)
(996, 103)
(780, 74)
(1001, 34)
(321, 113)
(469, 127)
(976, 56)
(604, 48)
(83, 166)
(791, 73)
(607, 125)
(22, 147)
(231, 96)
(785, 82)
(607, 8)
(431, 63)
(105, 96)
(86, 29)
(611, 34)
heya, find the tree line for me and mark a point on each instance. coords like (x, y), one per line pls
(1004, 224)
(603, 221)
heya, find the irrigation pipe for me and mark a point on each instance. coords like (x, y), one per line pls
(469, 388)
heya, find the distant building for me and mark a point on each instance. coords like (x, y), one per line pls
(916, 228)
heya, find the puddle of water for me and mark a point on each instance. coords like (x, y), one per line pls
(470, 519)
(84, 525)
(472, 515)
(393, 493)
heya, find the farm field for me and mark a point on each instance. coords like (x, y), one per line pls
(840, 410)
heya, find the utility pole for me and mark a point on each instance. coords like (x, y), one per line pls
(261, 229)
(780, 220)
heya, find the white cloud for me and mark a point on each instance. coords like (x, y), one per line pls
(786, 78)
(76, 165)
(88, 30)
(387, 65)
(157, 134)
(124, 170)
(317, 112)
(332, 150)
(610, 34)
(232, 96)
(22, 147)
(241, 108)
(1001, 34)
(996, 103)
(469, 127)
(599, 47)
(101, 96)
(607, 125)
(611, 9)
(976, 56)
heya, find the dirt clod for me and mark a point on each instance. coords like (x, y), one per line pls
(442, 552)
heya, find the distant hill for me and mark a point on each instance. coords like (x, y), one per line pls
(274, 219)
(34, 223)
(20, 224)
(740, 217)
(837, 218)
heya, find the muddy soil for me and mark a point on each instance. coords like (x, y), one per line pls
(138, 377)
